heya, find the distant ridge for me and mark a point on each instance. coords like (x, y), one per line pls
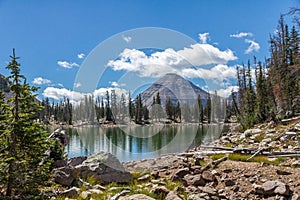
(176, 87)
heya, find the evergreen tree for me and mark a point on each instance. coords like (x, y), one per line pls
(24, 141)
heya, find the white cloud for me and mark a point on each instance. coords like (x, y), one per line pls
(203, 37)
(61, 93)
(77, 85)
(159, 63)
(227, 91)
(241, 34)
(67, 65)
(101, 92)
(41, 81)
(254, 46)
(115, 84)
(81, 55)
(127, 39)
(75, 97)
(219, 73)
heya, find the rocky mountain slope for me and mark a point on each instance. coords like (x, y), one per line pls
(176, 87)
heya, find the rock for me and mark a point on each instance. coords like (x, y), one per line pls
(182, 172)
(59, 163)
(76, 161)
(296, 163)
(160, 190)
(210, 191)
(295, 196)
(199, 196)
(208, 176)
(172, 196)
(229, 182)
(85, 194)
(71, 193)
(281, 172)
(64, 176)
(250, 132)
(272, 188)
(195, 180)
(104, 168)
(137, 197)
(144, 178)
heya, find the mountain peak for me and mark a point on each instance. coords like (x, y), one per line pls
(176, 88)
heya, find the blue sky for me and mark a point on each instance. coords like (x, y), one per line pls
(54, 38)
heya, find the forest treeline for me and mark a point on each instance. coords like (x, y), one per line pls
(123, 109)
(274, 92)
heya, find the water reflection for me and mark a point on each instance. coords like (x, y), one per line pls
(139, 142)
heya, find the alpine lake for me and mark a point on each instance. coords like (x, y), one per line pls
(140, 142)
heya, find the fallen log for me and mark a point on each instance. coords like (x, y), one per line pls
(217, 147)
(256, 153)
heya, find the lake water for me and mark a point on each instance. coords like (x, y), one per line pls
(139, 142)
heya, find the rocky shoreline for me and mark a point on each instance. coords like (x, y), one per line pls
(266, 166)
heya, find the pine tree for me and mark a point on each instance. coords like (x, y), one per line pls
(24, 140)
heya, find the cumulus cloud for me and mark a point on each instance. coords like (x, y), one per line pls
(81, 55)
(203, 37)
(241, 35)
(254, 46)
(67, 65)
(127, 39)
(61, 93)
(41, 81)
(216, 72)
(101, 92)
(227, 91)
(159, 63)
(115, 84)
(75, 97)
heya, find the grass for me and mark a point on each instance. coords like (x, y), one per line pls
(243, 158)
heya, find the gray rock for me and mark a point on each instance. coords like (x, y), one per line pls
(182, 172)
(172, 196)
(210, 191)
(76, 161)
(295, 197)
(160, 190)
(104, 168)
(64, 176)
(282, 172)
(195, 180)
(208, 176)
(85, 195)
(137, 197)
(229, 182)
(144, 178)
(70, 193)
(59, 163)
(272, 188)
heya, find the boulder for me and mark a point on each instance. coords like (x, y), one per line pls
(76, 161)
(103, 167)
(64, 176)
(272, 188)
(195, 180)
(182, 172)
